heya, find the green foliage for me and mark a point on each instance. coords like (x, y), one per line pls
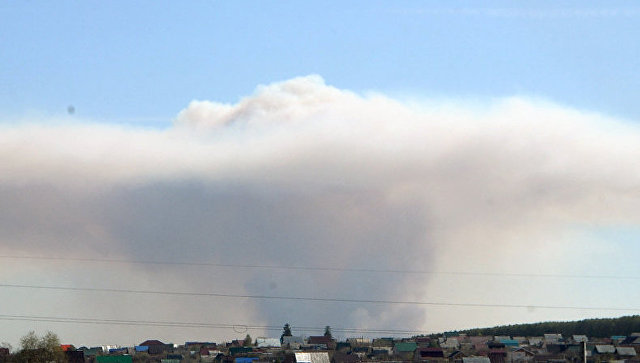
(43, 349)
(597, 328)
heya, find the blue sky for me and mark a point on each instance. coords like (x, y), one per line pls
(117, 60)
(500, 138)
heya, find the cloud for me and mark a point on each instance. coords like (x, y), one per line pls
(302, 173)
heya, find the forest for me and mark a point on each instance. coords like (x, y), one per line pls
(596, 328)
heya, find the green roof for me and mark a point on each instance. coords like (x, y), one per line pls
(406, 347)
(114, 359)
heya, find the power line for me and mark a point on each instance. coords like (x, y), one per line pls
(236, 327)
(321, 268)
(316, 299)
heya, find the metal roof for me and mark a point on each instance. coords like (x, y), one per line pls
(629, 351)
(313, 357)
(605, 349)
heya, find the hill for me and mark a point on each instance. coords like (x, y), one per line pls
(597, 328)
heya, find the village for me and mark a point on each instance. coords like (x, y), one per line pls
(552, 348)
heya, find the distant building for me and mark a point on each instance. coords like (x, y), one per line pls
(156, 347)
(312, 357)
(268, 342)
(114, 359)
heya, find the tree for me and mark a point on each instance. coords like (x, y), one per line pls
(286, 332)
(29, 341)
(247, 341)
(40, 349)
(327, 332)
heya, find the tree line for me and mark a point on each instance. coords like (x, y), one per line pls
(597, 328)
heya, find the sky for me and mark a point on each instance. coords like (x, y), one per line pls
(206, 170)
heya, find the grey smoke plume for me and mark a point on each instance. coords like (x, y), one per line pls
(301, 173)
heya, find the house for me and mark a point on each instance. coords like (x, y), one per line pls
(626, 351)
(246, 359)
(431, 353)
(423, 341)
(312, 357)
(340, 357)
(549, 358)
(199, 344)
(536, 341)
(322, 340)
(292, 342)
(156, 346)
(206, 351)
(580, 338)
(605, 349)
(456, 356)
(114, 359)
(618, 338)
(497, 356)
(382, 342)
(495, 345)
(405, 349)
(556, 348)
(240, 350)
(520, 355)
(450, 343)
(510, 343)
(359, 341)
(268, 342)
(375, 353)
(475, 359)
(75, 356)
(237, 343)
(362, 351)
(631, 340)
(552, 338)
(479, 343)
(91, 352)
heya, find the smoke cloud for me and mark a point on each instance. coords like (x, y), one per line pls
(301, 173)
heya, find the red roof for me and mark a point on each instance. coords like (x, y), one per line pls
(151, 342)
(319, 339)
(67, 347)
